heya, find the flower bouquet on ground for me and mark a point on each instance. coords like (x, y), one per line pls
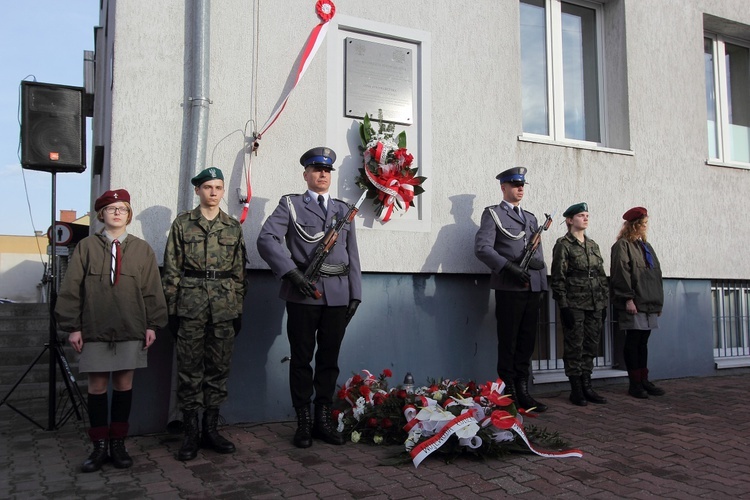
(387, 175)
(449, 417)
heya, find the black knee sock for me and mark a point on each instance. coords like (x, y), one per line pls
(121, 402)
(98, 410)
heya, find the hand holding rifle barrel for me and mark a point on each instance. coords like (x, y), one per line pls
(312, 273)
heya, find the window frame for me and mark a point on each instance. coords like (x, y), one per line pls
(555, 80)
(721, 101)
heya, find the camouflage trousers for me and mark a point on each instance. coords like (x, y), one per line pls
(581, 343)
(204, 353)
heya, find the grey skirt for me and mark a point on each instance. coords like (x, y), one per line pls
(112, 357)
(639, 321)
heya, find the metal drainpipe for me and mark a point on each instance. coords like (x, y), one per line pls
(200, 49)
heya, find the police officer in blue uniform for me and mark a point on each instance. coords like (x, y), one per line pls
(500, 242)
(287, 242)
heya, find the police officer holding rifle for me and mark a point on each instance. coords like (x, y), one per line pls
(309, 241)
(508, 242)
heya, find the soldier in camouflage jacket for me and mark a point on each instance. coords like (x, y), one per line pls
(579, 285)
(204, 284)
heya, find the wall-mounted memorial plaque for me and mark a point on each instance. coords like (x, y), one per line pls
(379, 77)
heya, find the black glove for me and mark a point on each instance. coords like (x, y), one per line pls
(536, 264)
(353, 305)
(298, 279)
(517, 272)
(567, 317)
(173, 324)
(237, 324)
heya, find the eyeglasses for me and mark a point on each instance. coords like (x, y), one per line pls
(114, 210)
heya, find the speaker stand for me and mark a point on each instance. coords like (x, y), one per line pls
(54, 347)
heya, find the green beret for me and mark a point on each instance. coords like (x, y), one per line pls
(209, 174)
(576, 209)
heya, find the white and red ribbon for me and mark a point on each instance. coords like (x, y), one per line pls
(325, 10)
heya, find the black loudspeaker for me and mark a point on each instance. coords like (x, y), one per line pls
(53, 133)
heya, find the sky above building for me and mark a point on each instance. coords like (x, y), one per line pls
(43, 41)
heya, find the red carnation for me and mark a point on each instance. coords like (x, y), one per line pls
(356, 380)
(364, 391)
(401, 394)
(379, 398)
(372, 422)
(342, 393)
(386, 423)
(336, 415)
(387, 373)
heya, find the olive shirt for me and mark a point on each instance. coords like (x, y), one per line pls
(578, 278)
(89, 303)
(632, 278)
(197, 244)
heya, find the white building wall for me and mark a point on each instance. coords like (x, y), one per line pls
(656, 107)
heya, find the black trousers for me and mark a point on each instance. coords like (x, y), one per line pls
(307, 326)
(517, 316)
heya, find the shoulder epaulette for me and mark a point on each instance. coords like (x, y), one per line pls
(291, 194)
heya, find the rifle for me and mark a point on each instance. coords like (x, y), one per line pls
(312, 273)
(533, 243)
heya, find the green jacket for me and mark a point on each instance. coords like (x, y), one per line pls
(197, 244)
(631, 278)
(578, 278)
(88, 302)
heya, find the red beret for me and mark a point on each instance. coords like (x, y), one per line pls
(110, 197)
(635, 213)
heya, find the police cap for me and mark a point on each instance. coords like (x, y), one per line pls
(515, 174)
(209, 174)
(576, 209)
(320, 157)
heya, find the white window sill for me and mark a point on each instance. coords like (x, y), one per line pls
(577, 145)
(719, 163)
(552, 376)
(733, 362)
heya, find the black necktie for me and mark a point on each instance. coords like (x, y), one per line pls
(322, 203)
(517, 210)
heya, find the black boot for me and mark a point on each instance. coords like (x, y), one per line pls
(524, 399)
(303, 435)
(588, 392)
(189, 449)
(636, 387)
(576, 391)
(120, 457)
(99, 456)
(323, 428)
(648, 386)
(118, 431)
(210, 437)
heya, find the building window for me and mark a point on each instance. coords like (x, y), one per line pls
(727, 67)
(561, 70)
(731, 319)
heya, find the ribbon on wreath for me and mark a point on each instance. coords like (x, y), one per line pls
(325, 10)
(393, 188)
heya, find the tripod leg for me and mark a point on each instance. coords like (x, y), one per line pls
(71, 386)
(15, 386)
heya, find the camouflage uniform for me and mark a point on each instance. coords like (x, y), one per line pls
(206, 304)
(579, 283)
